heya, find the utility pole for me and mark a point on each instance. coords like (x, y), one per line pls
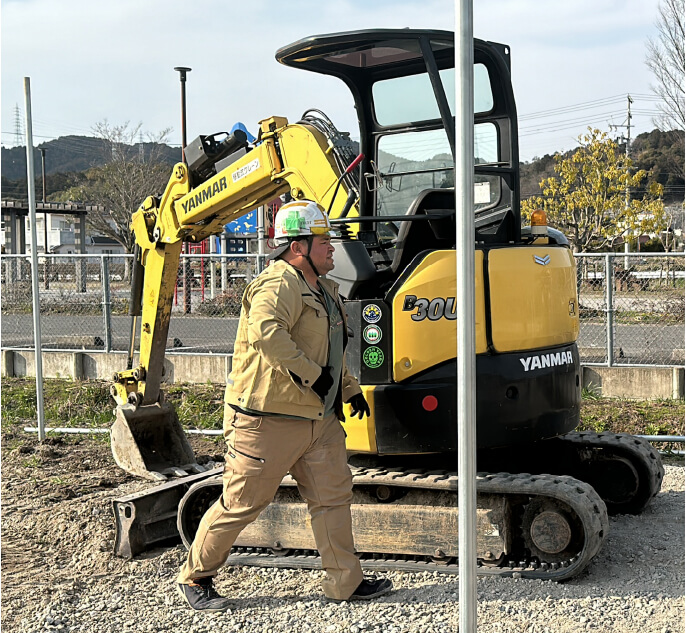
(46, 263)
(627, 140)
(182, 70)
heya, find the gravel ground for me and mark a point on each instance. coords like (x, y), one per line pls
(58, 573)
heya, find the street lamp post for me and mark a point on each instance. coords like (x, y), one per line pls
(182, 70)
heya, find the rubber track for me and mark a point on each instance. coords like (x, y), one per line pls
(580, 496)
(639, 450)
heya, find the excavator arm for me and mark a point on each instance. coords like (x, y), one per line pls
(299, 159)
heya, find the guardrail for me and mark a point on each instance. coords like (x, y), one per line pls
(631, 306)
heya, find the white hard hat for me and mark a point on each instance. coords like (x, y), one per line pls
(298, 218)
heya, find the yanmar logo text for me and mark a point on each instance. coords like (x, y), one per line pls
(204, 195)
(546, 360)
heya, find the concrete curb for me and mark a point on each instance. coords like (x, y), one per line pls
(641, 383)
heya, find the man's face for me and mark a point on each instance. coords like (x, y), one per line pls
(321, 253)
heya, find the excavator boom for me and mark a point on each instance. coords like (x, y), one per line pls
(298, 159)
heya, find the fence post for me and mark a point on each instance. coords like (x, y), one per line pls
(213, 274)
(106, 308)
(224, 263)
(609, 279)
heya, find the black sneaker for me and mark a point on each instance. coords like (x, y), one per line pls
(370, 588)
(202, 596)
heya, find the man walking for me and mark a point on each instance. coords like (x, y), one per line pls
(282, 413)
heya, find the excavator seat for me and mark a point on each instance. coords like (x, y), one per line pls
(360, 277)
(415, 237)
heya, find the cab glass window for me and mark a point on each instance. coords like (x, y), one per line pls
(411, 99)
(410, 162)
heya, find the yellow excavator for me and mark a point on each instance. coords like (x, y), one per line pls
(544, 492)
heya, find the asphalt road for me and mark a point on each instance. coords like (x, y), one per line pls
(645, 343)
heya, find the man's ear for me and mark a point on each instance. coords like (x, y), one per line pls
(298, 248)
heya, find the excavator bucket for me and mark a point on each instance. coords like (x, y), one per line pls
(148, 441)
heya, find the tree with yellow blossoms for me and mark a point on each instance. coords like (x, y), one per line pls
(587, 199)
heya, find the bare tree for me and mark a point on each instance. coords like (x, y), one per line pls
(665, 59)
(132, 171)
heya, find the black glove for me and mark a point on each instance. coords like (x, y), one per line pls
(322, 385)
(359, 406)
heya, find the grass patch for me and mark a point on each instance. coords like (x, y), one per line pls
(638, 417)
(88, 404)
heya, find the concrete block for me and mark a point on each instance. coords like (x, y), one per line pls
(60, 365)
(21, 366)
(8, 363)
(637, 383)
(678, 383)
(103, 366)
(55, 364)
(77, 367)
(197, 369)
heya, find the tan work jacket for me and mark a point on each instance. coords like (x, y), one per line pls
(283, 330)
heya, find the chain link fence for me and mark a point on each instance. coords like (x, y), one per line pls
(631, 308)
(631, 305)
(84, 302)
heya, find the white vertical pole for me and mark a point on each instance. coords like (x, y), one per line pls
(213, 281)
(260, 238)
(222, 248)
(466, 346)
(30, 174)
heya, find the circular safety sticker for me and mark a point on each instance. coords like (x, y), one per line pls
(372, 334)
(373, 357)
(371, 313)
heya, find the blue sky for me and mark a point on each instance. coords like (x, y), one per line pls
(89, 61)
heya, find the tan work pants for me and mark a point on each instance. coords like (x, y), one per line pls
(261, 450)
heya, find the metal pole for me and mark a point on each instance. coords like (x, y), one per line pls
(213, 274)
(224, 271)
(466, 335)
(609, 321)
(46, 264)
(182, 70)
(106, 307)
(34, 260)
(260, 238)
(629, 101)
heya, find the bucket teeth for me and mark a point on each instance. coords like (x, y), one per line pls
(175, 472)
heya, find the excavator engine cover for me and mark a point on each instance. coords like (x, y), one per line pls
(148, 441)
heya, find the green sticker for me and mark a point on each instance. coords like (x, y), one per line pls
(373, 357)
(372, 334)
(293, 223)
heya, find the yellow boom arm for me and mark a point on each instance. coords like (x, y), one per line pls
(289, 158)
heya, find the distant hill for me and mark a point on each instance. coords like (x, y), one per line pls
(661, 154)
(68, 154)
(66, 161)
